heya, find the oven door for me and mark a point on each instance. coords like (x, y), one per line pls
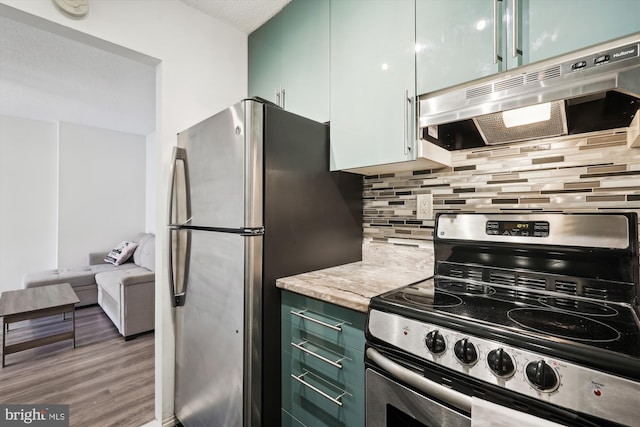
(391, 403)
(398, 393)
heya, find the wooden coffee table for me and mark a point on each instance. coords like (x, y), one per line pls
(34, 303)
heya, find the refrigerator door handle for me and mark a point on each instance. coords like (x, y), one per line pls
(179, 240)
(179, 213)
(179, 255)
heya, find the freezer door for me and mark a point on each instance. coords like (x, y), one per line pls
(222, 158)
(217, 383)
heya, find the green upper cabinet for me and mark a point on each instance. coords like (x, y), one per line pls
(555, 27)
(265, 59)
(372, 82)
(454, 42)
(462, 40)
(289, 59)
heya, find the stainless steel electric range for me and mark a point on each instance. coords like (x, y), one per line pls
(529, 317)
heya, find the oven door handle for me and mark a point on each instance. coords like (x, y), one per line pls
(443, 393)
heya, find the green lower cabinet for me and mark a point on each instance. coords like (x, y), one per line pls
(302, 329)
(289, 420)
(315, 399)
(337, 325)
(345, 369)
(322, 369)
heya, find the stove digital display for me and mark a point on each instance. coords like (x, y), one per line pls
(518, 228)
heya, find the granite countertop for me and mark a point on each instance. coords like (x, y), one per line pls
(352, 285)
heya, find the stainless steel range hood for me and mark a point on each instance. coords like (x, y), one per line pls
(597, 88)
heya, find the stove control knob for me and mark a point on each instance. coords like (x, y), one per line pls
(465, 351)
(542, 376)
(435, 342)
(501, 363)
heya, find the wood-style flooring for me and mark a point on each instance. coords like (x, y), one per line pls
(105, 380)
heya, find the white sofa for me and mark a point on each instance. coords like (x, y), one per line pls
(127, 295)
(125, 292)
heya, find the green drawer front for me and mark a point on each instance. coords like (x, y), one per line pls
(352, 362)
(338, 344)
(312, 408)
(318, 318)
(289, 420)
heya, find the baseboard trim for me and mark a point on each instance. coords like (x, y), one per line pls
(169, 422)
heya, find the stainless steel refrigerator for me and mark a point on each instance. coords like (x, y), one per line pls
(251, 199)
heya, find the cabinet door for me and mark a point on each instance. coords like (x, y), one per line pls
(322, 362)
(265, 59)
(457, 41)
(305, 58)
(372, 77)
(289, 59)
(554, 27)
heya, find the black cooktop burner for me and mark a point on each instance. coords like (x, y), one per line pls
(562, 324)
(526, 314)
(578, 306)
(426, 296)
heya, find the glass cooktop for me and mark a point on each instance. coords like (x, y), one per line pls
(525, 314)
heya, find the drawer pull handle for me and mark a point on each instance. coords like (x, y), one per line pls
(336, 327)
(301, 347)
(335, 400)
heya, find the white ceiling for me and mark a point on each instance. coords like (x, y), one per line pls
(245, 15)
(47, 76)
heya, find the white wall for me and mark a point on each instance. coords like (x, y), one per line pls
(28, 198)
(203, 70)
(59, 187)
(101, 190)
(152, 184)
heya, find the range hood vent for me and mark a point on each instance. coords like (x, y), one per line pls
(513, 82)
(589, 90)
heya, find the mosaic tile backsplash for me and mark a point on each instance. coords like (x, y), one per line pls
(584, 173)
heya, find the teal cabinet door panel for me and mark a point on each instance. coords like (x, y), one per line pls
(305, 59)
(350, 373)
(455, 42)
(293, 301)
(322, 368)
(289, 420)
(314, 400)
(342, 363)
(462, 40)
(555, 27)
(372, 80)
(265, 59)
(302, 330)
(313, 318)
(289, 59)
(315, 410)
